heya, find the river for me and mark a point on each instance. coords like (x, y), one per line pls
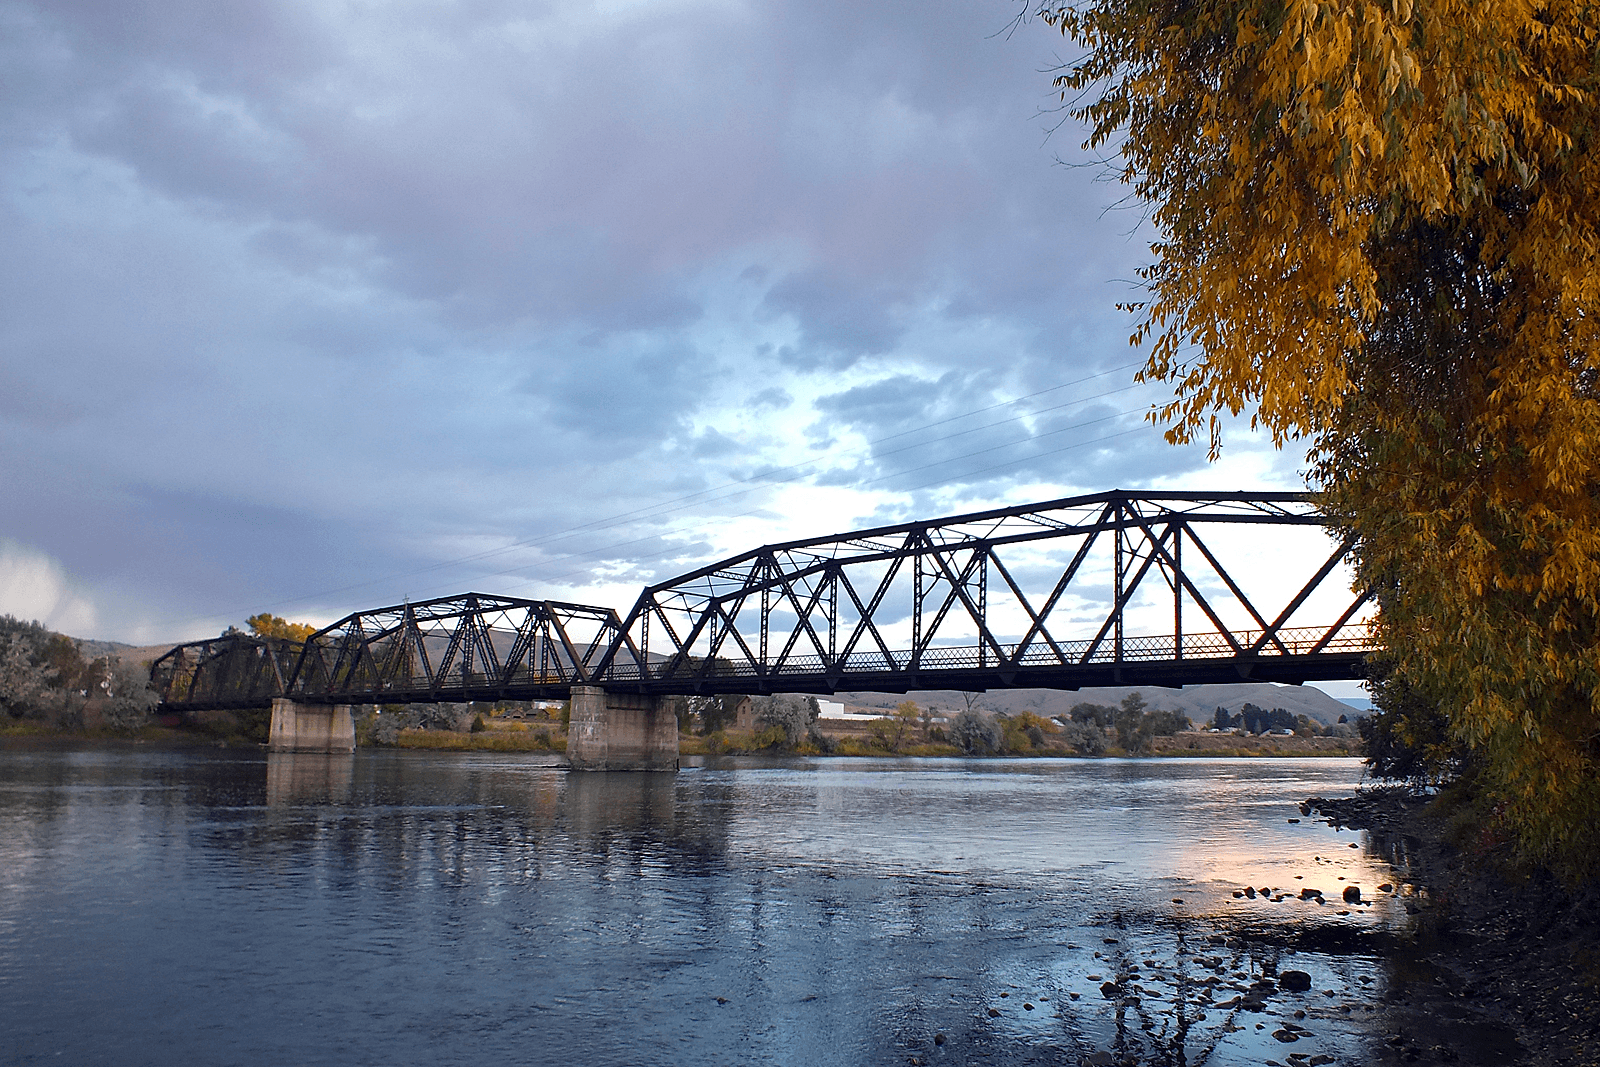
(161, 907)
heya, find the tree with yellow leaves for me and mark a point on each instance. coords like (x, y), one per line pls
(1377, 229)
(267, 625)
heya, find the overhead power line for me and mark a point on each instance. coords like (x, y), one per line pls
(767, 478)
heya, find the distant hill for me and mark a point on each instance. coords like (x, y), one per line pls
(95, 649)
(144, 653)
(1198, 702)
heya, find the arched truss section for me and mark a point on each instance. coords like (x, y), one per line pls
(1114, 588)
(461, 648)
(235, 671)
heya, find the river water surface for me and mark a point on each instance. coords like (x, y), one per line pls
(418, 908)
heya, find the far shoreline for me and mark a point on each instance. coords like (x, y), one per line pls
(1194, 745)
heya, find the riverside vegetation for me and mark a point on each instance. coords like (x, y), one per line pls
(48, 685)
(780, 725)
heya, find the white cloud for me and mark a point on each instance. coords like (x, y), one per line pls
(35, 587)
(319, 307)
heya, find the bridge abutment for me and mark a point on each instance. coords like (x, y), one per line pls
(621, 732)
(310, 727)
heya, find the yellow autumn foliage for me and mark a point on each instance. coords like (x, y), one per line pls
(267, 625)
(1376, 228)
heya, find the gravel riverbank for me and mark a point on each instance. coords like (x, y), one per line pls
(1502, 968)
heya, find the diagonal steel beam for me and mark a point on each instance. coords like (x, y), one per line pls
(1233, 587)
(865, 614)
(1333, 630)
(1121, 601)
(1200, 600)
(1061, 586)
(1036, 623)
(959, 588)
(1305, 591)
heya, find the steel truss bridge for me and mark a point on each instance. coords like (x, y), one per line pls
(1116, 588)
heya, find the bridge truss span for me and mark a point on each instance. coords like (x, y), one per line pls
(1111, 589)
(458, 649)
(235, 671)
(1116, 588)
(453, 649)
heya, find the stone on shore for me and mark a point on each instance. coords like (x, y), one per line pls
(1295, 981)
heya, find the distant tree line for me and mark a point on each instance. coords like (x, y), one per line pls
(1256, 720)
(1137, 725)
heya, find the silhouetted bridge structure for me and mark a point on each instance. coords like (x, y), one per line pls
(1116, 588)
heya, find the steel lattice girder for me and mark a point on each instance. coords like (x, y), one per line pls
(811, 615)
(458, 649)
(235, 671)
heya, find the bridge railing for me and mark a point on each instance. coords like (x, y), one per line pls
(1352, 637)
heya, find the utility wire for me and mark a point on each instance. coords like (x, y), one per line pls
(522, 573)
(766, 478)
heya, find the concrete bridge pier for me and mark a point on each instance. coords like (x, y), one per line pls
(621, 731)
(310, 727)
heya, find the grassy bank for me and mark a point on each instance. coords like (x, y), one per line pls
(740, 743)
(22, 735)
(502, 736)
(538, 739)
(1195, 743)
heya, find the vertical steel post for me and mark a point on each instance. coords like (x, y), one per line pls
(1177, 590)
(983, 607)
(916, 608)
(832, 577)
(1116, 595)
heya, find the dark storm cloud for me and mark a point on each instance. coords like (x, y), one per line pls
(840, 321)
(321, 294)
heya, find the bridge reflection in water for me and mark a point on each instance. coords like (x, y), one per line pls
(1116, 588)
(296, 778)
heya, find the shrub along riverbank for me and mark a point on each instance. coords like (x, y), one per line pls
(1495, 944)
(551, 737)
(228, 731)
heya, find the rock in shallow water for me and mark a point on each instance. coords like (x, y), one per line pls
(1295, 981)
(1352, 894)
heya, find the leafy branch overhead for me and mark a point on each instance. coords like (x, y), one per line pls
(1375, 228)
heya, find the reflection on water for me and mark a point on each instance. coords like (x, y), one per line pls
(307, 778)
(447, 908)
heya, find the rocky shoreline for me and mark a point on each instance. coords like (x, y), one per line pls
(1501, 968)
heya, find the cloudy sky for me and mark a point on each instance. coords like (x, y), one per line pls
(314, 306)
